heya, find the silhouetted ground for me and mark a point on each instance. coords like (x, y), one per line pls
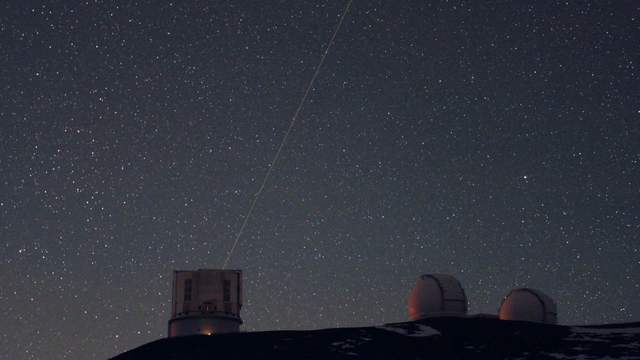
(440, 338)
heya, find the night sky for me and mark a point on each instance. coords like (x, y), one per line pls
(497, 141)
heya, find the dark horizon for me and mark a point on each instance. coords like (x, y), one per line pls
(498, 142)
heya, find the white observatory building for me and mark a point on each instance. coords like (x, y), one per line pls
(437, 295)
(527, 304)
(205, 302)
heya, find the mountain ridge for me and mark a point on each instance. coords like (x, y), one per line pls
(435, 338)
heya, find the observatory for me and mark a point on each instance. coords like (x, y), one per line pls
(437, 295)
(526, 304)
(205, 301)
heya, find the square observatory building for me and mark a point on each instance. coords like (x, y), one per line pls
(205, 302)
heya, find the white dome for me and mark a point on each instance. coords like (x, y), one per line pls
(437, 295)
(528, 305)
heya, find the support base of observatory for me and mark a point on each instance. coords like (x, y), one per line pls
(204, 325)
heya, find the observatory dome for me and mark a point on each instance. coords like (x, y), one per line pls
(526, 304)
(437, 295)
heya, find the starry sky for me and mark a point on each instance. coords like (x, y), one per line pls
(498, 141)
